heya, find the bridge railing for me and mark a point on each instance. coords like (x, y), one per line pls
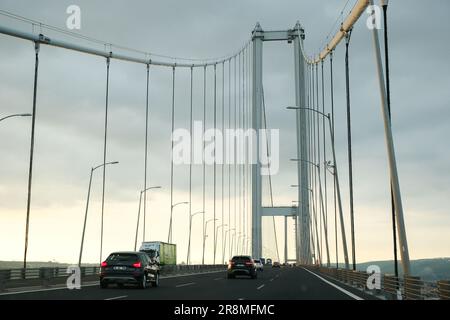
(45, 276)
(407, 288)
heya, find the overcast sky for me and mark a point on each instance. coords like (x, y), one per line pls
(70, 114)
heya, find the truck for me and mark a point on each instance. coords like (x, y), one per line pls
(162, 253)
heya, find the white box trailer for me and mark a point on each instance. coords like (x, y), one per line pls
(162, 252)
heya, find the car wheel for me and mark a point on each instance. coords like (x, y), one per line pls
(103, 285)
(155, 283)
(143, 283)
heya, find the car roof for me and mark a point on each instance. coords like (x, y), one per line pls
(127, 252)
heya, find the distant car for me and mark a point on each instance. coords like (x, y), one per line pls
(241, 265)
(276, 264)
(259, 266)
(129, 268)
(269, 262)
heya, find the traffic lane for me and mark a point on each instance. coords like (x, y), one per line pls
(352, 290)
(193, 287)
(94, 292)
(298, 284)
(211, 287)
(272, 284)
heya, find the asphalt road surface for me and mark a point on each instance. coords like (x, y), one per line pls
(271, 284)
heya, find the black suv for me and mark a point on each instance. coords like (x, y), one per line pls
(129, 268)
(241, 265)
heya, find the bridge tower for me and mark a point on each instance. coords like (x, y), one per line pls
(301, 214)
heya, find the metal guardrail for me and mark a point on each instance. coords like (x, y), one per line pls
(392, 288)
(47, 275)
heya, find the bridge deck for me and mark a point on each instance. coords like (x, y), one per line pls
(289, 283)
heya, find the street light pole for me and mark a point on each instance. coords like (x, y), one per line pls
(87, 207)
(224, 244)
(189, 242)
(170, 228)
(229, 244)
(233, 240)
(336, 177)
(215, 238)
(315, 220)
(139, 216)
(238, 241)
(317, 166)
(204, 238)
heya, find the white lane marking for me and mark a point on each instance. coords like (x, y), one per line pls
(271, 279)
(240, 298)
(260, 287)
(42, 290)
(115, 298)
(185, 285)
(351, 295)
(95, 283)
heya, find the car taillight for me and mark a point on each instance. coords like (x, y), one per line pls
(137, 264)
(230, 263)
(104, 264)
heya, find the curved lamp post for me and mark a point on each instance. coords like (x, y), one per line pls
(87, 206)
(188, 258)
(170, 229)
(336, 177)
(204, 238)
(317, 166)
(139, 215)
(215, 239)
(16, 115)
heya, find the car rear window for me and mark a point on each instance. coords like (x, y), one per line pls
(257, 261)
(241, 259)
(123, 257)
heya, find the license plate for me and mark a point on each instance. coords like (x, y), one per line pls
(239, 265)
(120, 268)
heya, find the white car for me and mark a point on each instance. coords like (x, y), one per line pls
(259, 266)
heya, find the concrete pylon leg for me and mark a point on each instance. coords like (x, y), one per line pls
(302, 238)
(257, 38)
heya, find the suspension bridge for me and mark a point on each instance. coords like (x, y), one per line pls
(235, 84)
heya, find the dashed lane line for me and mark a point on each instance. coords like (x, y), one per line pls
(185, 285)
(116, 298)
